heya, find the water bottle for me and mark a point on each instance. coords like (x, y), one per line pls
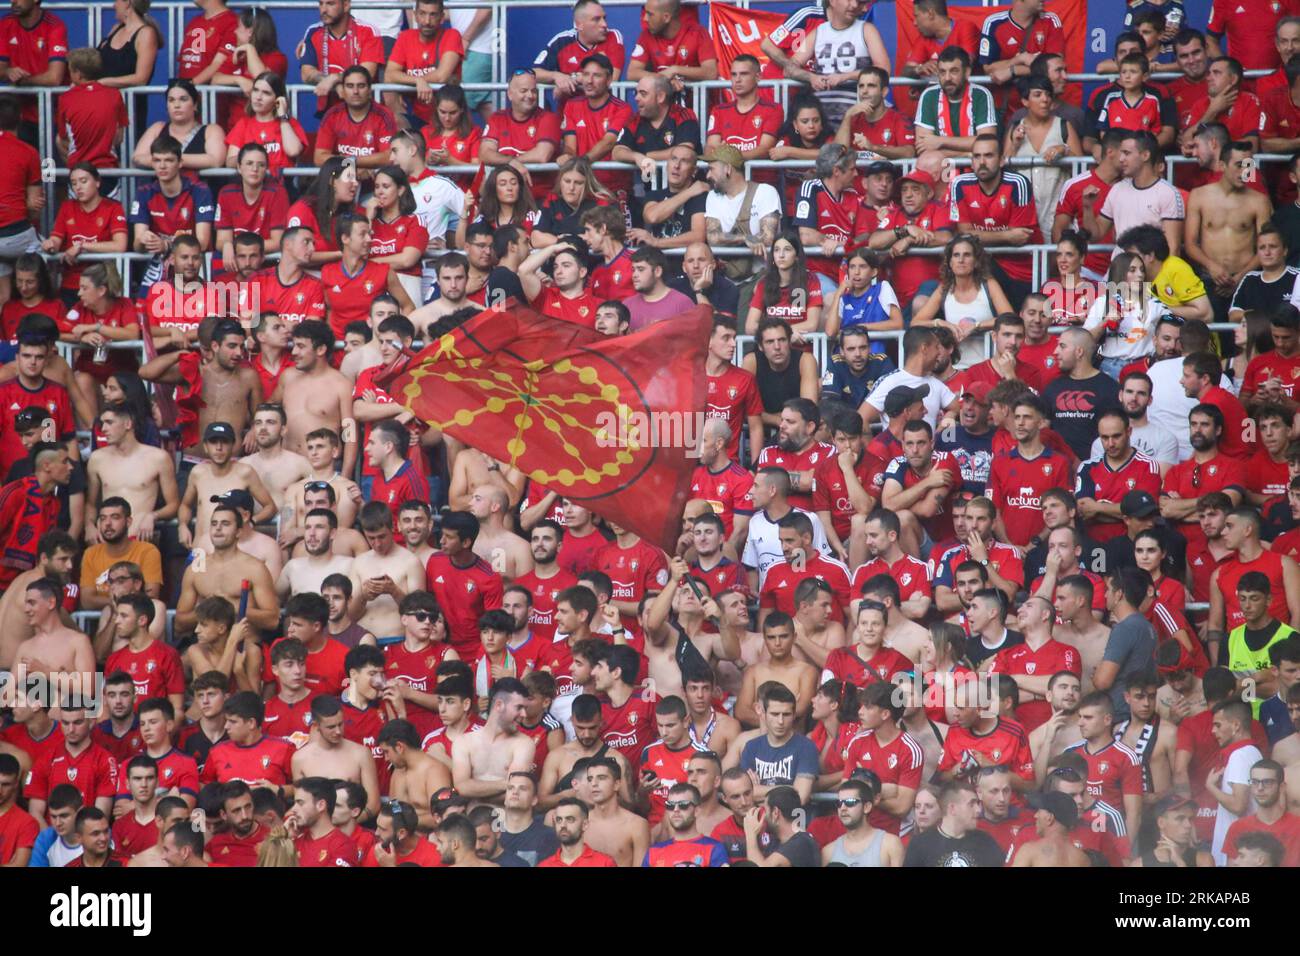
(101, 354)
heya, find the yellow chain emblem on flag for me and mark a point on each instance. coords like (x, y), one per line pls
(567, 412)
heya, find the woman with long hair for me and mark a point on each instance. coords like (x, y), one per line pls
(1253, 337)
(968, 297)
(266, 121)
(203, 145)
(277, 849)
(87, 222)
(506, 201)
(1044, 136)
(129, 53)
(787, 290)
(102, 315)
(835, 722)
(1123, 318)
(1071, 294)
(802, 135)
(129, 390)
(926, 811)
(257, 51)
(453, 139)
(332, 193)
(943, 666)
(576, 191)
(33, 292)
(397, 237)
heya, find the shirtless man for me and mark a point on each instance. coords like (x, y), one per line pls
(472, 468)
(557, 780)
(53, 648)
(1223, 219)
(678, 611)
(250, 540)
(382, 576)
(124, 468)
(229, 388)
(222, 572)
(216, 475)
(612, 829)
(56, 554)
(453, 283)
(322, 449)
(1152, 739)
(1054, 817)
(169, 812)
(1061, 730)
(1078, 626)
(731, 674)
(798, 676)
(315, 395)
(416, 775)
(307, 573)
(708, 728)
(357, 361)
(901, 632)
(330, 755)
(415, 524)
(509, 554)
(482, 760)
(814, 605)
(1182, 694)
(319, 496)
(279, 469)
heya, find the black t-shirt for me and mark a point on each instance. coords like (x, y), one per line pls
(679, 222)
(560, 219)
(801, 850)
(936, 848)
(976, 652)
(679, 126)
(1255, 295)
(532, 845)
(1119, 551)
(1092, 554)
(502, 284)
(1075, 405)
(723, 295)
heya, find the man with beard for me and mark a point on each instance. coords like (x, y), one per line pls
(674, 216)
(1166, 343)
(1002, 563)
(846, 487)
(223, 573)
(571, 820)
(236, 843)
(921, 485)
(557, 777)
(935, 130)
(970, 441)
(544, 581)
(862, 844)
(1150, 439)
(1080, 393)
(781, 816)
(277, 467)
(115, 546)
(797, 450)
(781, 372)
(855, 369)
(1206, 471)
(919, 221)
(415, 524)
(685, 845)
(1060, 731)
(485, 758)
(1005, 363)
(727, 199)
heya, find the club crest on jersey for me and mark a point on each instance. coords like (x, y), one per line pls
(469, 586)
(634, 564)
(369, 286)
(266, 762)
(583, 310)
(732, 391)
(1047, 469)
(300, 298)
(907, 579)
(532, 131)
(1213, 469)
(151, 666)
(71, 773)
(668, 139)
(167, 773)
(1103, 767)
(321, 858)
(886, 135)
(893, 761)
(631, 718)
(1031, 667)
(997, 755)
(431, 660)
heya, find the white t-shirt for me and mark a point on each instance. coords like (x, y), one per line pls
(1127, 206)
(387, 23)
(1137, 328)
(725, 209)
(763, 545)
(940, 397)
(461, 18)
(439, 204)
(1150, 440)
(1170, 404)
(1237, 771)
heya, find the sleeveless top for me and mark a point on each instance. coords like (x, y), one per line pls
(1046, 180)
(566, 782)
(774, 387)
(971, 350)
(868, 857)
(195, 144)
(840, 51)
(121, 62)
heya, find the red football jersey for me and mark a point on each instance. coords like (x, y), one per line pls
(726, 575)
(267, 212)
(16, 735)
(33, 49)
(1007, 744)
(76, 225)
(89, 116)
(590, 124)
(515, 137)
(807, 460)
(333, 849)
(130, 836)
(266, 133)
(1114, 772)
(1267, 477)
(1010, 206)
(1149, 112)
(669, 766)
(911, 574)
(418, 58)
(1192, 479)
(177, 773)
(899, 762)
(961, 33)
(613, 279)
(390, 238)
(268, 759)
(1099, 481)
(93, 772)
(1002, 38)
(348, 297)
(14, 397)
(891, 129)
(634, 571)
(1237, 440)
(23, 169)
(1017, 485)
(728, 492)
(745, 130)
(1284, 368)
(541, 617)
(792, 303)
(628, 729)
(1051, 658)
(939, 525)
(845, 664)
(833, 216)
(204, 38)
(226, 848)
(362, 727)
(405, 485)
(342, 135)
(463, 594)
(578, 554)
(1003, 558)
(830, 494)
(1286, 830)
(1248, 27)
(1070, 204)
(908, 273)
(418, 669)
(290, 721)
(122, 748)
(156, 670)
(782, 578)
(580, 310)
(1268, 563)
(297, 302)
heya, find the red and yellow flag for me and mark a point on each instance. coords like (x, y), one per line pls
(612, 423)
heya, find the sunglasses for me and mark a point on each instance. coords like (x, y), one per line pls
(849, 801)
(423, 616)
(679, 804)
(316, 486)
(527, 71)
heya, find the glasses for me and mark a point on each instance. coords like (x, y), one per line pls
(1264, 783)
(526, 71)
(316, 486)
(679, 804)
(850, 801)
(423, 616)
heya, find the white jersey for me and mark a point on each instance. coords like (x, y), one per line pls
(1170, 405)
(763, 544)
(840, 51)
(439, 205)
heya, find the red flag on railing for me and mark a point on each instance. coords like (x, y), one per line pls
(1073, 15)
(735, 31)
(611, 422)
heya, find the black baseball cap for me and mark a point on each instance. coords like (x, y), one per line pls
(236, 498)
(881, 166)
(219, 431)
(1138, 504)
(1057, 804)
(902, 396)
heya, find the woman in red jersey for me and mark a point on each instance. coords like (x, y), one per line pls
(266, 121)
(1071, 295)
(507, 201)
(396, 235)
(129, 390)
(943, 665)
(257, 51)
(835, 711)
(203, 145)
(787, 290)
(453, 140)
(33, 292)
(102, 315)
(85, 223)
(576, 191)
(332, 193)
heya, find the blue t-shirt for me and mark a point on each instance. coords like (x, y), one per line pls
(868, 309)
(795, 758)
(973, 452)
(840, 383)
(1276, 719)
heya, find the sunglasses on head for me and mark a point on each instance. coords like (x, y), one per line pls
(316, 486)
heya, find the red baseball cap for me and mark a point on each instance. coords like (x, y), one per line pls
(919, 176)
(979, 391)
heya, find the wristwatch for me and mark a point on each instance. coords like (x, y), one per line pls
(900, 231)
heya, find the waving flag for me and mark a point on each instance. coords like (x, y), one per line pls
(612, 423)
(735, 31)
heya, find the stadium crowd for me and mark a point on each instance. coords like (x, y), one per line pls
(983, 565)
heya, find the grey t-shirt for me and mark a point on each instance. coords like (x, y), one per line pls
(1132, 645)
